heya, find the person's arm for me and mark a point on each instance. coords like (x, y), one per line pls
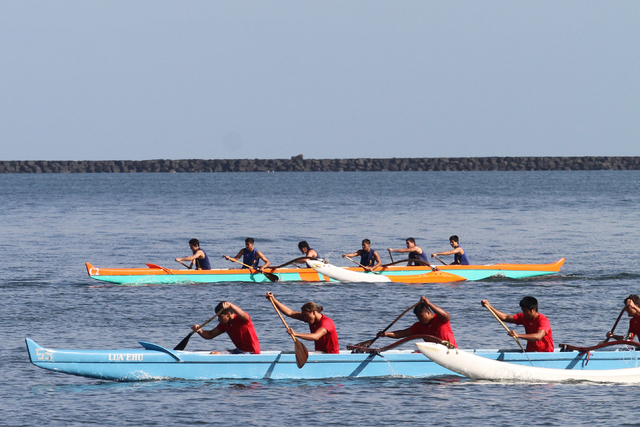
(239, 312)
(451, 252)
(198, 254)
(264, 259)
(236, 258)
(396, 334)
(502, 316)
(415, 249)
(356, 253)
(309, 337)
(378, 262)
(207, 335)
(283, 308)
(436, 310)
(537, 336)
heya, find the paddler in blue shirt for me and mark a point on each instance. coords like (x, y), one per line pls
(250, 256)
(199, 256)
(369, 258)
(415, 252)
(459, 255)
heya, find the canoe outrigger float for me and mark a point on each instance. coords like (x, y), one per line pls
(405, 274)
(154, 362)
(619, 366)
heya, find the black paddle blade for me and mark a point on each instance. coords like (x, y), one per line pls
(272, 277)
(302, 354)
(181, 346)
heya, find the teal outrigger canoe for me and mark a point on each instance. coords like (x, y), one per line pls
(155, 274)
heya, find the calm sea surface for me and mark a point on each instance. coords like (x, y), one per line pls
(50, 225)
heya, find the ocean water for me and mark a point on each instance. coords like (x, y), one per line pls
(52, 224)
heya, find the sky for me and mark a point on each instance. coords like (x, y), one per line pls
(136, 80)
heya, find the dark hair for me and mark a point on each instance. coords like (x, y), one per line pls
(454, 238)
(367, 241)
(420, 308)
(311, 306)
(530, 303)
(303, 244)
(412, 240)
(249, 240)
(634, 298)
(194, 242)
(225, 311)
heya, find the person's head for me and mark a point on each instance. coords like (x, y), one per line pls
(423, 313)
(632, 305)
(310, 311)
(529, 306)
(411, 242)
(226, 314)
(303, 246)
(454, 241)
(194, 244)
(248, 243)
(366, 244)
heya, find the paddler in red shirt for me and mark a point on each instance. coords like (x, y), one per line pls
(432, 320)
(321, 328)
(632, 307)
(238, 325)
(536, 325)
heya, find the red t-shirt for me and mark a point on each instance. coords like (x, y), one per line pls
(534, 325)
(329, 342)
(242, 334)
(437, 327)
(634, 326)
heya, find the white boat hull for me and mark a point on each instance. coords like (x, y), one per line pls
(481, 368)
(344, 275)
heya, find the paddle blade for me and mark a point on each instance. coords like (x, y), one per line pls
(366, 343)
(181, 346)
(272, 277)
(302, 354)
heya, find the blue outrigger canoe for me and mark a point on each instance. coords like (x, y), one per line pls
(153, 362)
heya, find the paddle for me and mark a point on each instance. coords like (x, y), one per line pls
(356, 262)
(616, 324)
(368, 343)
(443, 263)
(390, 256)
(166, 270)
(508, 330)
(429, 338)
(302, 354)
(188, 266)
(295, 260)
(181, 346)
(272, 277)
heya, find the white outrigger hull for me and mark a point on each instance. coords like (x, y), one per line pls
(482, 368)
(344, 275)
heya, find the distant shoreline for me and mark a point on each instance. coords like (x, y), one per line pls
(299, 164)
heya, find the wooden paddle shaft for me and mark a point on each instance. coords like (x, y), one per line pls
(503, 325)
(354, 261)
(281, 318)
(242, 263)
(616, 324)
(188, 266)
(443, 263)
(205, 323)
(390, 256)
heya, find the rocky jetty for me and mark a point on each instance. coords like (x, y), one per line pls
(299, 164)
